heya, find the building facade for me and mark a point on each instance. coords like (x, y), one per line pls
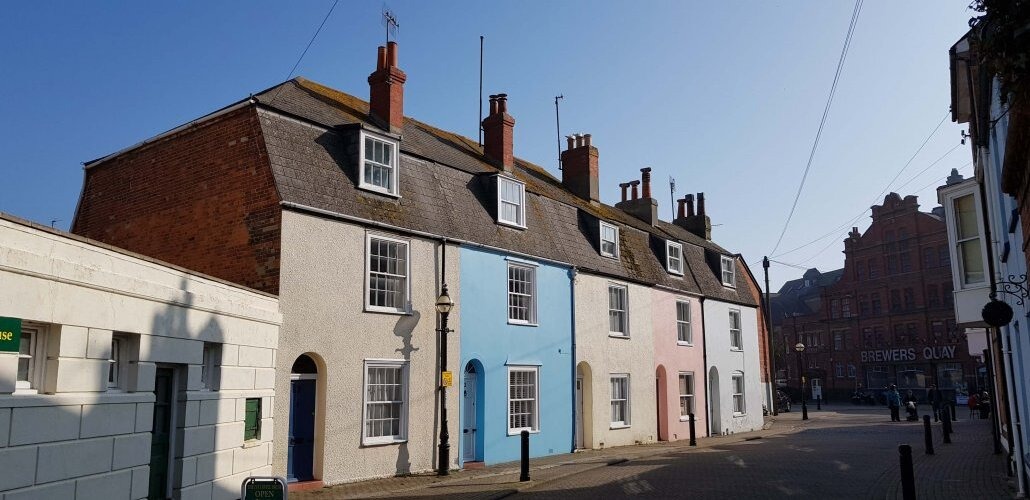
(129, 378)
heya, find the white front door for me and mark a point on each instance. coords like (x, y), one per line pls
(468, 432)
(579, 413)
(817, 389)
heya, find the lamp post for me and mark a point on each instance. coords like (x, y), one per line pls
(443, 306)
(800, 349)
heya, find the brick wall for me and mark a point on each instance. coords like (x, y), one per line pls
(203, 198)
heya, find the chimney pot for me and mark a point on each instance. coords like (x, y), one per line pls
(572, 141)
(681, 210)
(645, 178)
(498, 133)
(381, 61)
(689, 199)
(586, 140)
(624, 185)
(502, 103)
(493, 104)
(634, 185)
(701, 204)
(391, 54)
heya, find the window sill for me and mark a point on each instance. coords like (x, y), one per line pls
(386, 310)
(518, 432)
(510, 224)
(613, 257)
(684, 344)
(522, 323)
(687, 419)
(729, 286)
(618, 336)
(372, 188)
(252, 443)
(675, 273)
(736, 349)
(24, 391)
(383, 442)
(618, 426)
(738, 414)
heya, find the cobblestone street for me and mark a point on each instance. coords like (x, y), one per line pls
(843, 452)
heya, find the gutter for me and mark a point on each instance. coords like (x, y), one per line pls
(704, 358)
(575, 380)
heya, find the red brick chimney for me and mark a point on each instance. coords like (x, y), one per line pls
(386, 90)
(699, 223)
(643, 207)
(498, 133)
(580, 170)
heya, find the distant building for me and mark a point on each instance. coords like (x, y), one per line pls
(885, 318)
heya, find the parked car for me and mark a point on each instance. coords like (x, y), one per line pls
(782, 401)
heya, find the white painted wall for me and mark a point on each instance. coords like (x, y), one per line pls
(322, 294)
(72, 437)
(607, 355)
(727, 361)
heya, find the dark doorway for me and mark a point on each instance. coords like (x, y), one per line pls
(161, 433)
(301, 447)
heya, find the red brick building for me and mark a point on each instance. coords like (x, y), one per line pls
(885, 318)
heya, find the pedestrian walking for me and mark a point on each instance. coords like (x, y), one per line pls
(894, 402)
(973, 404)
(933, 396)
(985, 405)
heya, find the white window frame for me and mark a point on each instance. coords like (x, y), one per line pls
(741, 408)
(684, 323)
(535, 424)
(532, 308)
(210, 370)
(678, 269)
(624, 290)
(947, 197)
(627, 421)
(118, 363)
(402, 365)
(37, 359)
(736, 334)
(730, 270)
(406, 306)
(394, 167)
(614, 242)
(689, 395)
(521, 211)
(959, 258)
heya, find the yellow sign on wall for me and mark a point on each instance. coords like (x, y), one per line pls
(446, 379)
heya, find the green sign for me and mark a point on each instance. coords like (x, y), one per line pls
(264, 488)
(10, 334)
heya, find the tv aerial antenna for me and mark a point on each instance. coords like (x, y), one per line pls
(390, 23)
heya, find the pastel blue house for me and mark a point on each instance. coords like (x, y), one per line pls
(516, 356)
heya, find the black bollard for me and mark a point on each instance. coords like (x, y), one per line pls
(819, 402)
(946, 423)
(928, 434)
(693, 434)
(524, 475)
(908, 479)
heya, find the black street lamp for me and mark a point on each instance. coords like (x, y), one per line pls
(800, 349)
(443, 306)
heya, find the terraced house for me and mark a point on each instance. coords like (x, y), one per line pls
(357, 217)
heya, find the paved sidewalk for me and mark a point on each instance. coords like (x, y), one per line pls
(966, 468)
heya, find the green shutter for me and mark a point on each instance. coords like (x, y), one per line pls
(252, 426)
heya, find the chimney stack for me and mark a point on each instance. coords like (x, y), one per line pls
(498, 133)
(681, 210)
(699, 223)
(580, 170)
(386, 90)
(643, 207)
(624, 185)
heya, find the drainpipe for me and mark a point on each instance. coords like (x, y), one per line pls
(704, 358)
(573, 272)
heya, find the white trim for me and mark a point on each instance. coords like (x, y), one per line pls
(406, 307)
(521, 261)
(535, 427)
(743, 393)
(668, 266)
(689, 322)
(601, 240)
(118, 363)
(692, 395)
(625, 311)
(394, 189)
(533, 294)
(739, 329)
(405, 401)
(521, 222)
(627, 417)
(955, 256)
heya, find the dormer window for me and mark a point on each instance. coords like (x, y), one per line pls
(511, 202)
(378, 170)
(674, 257)
(729, 272)
(609, 240)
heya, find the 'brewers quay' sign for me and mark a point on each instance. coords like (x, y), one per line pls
(909, 354)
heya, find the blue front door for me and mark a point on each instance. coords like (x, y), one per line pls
(301, 450)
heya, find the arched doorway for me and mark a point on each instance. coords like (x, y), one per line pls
(715, 420)
(584, 405)
(472, 413)
(300, 458)
(661, 391)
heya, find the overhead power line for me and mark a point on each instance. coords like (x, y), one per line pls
(822, 121)
(305, 51)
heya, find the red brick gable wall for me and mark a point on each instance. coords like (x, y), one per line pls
(203, 198)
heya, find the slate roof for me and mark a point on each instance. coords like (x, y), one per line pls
(794, 297)
(445, 189)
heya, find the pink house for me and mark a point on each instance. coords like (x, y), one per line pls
(679, 364)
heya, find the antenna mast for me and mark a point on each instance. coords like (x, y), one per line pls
(390, 22)
(479, 125)
(557, 123)
(672, 196)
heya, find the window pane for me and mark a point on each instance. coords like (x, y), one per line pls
(972, 261)
(965, 217)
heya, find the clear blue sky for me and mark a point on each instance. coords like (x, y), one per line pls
(724, 96)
